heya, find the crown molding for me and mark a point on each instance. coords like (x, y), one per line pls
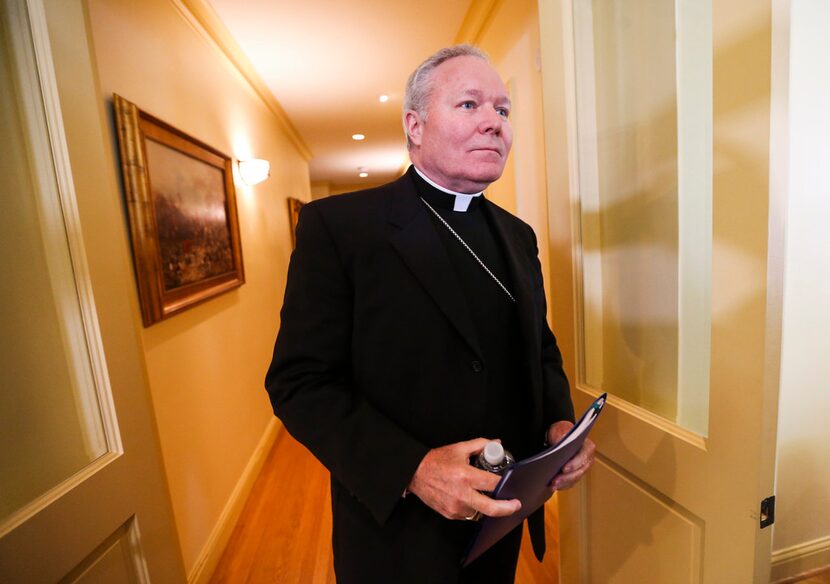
(476, 21)
(201, 15)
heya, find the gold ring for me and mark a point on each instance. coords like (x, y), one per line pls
(474, 517)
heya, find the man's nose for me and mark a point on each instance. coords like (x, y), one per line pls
(492, 122)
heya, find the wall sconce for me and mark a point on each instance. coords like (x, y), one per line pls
(254, 171)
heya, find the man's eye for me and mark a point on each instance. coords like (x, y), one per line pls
(505, 113)
(468, 104)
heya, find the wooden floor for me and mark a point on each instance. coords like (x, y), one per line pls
(283, 534)
(817, 577)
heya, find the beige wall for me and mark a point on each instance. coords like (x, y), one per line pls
(339, 189)
(206, 366)
(801, 538)
(320, 190)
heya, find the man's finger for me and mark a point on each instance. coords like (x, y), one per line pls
(558, 430)
(495, 508)
(576, 463)
(567, 480)
(473, 446)
(481, 480)
(583, 458)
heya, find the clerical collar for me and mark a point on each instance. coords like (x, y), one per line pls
(460, 202)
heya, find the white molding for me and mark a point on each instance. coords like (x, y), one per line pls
(138, 559)
(212, 551)
(477, 19)
(779, 171)
(804, 557)
(56, 492)
(694, 200)
(585, 197)
(61, 227)
(202, 17)
(647, 417)
(86, 344)
(69, 275)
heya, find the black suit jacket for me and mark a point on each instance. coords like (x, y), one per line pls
(377, 360)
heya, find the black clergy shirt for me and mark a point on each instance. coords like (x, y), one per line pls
(493, 313)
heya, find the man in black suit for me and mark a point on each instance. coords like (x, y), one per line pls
(413, 326)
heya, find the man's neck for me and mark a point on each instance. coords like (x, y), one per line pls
(423, 175)
(446, 198)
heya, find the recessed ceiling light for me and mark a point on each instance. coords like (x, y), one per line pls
(363, 174)
(383, 98)
(358, 137)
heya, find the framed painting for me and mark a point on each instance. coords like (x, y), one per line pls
(294, 206)
(182, 213)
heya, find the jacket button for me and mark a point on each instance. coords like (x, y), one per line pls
(477, 366)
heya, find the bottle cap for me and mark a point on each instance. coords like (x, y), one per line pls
(494, 453)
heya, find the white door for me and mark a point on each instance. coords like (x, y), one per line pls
(665, 281)
(82, 494)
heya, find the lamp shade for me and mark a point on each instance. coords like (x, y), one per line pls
(254, 171)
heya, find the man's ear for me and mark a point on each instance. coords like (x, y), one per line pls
(414, 126)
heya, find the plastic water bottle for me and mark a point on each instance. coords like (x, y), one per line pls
(494, 458)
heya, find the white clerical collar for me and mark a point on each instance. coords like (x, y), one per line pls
(462, 200)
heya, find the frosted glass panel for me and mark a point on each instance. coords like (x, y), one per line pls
(50, 420)
(637, 151)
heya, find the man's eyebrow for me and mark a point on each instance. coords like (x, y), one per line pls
(505, 100)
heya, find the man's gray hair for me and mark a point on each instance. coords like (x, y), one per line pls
(419, 85)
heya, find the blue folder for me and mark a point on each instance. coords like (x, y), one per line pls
(528, 480)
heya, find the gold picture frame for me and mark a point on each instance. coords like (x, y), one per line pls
(181, 204)
(294, 206)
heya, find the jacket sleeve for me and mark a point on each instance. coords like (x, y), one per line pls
(310, 381)
(556, 396)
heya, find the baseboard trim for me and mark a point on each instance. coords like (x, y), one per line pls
(209, 557)
(793, 563)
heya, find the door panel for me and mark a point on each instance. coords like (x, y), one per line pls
(81, 465)
(118, 560)
(624, 51)
(642, 112)
(657, 145)
(53, 405)
(623, 513)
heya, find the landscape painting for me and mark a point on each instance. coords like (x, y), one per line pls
(181, 205)
(191, 219)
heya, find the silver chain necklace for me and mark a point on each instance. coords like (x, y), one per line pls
(467, 247)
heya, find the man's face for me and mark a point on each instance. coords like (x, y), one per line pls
(464, 142)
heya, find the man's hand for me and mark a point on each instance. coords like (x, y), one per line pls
(575, 467)
(449, 484)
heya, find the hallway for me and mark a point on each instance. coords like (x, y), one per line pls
(670, 158)
(282, 535)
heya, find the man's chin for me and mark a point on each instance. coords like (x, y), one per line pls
(486, 174)
(473, 178)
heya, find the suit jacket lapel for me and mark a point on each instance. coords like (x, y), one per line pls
(416, 241)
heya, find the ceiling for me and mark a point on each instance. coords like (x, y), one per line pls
(327, 62)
